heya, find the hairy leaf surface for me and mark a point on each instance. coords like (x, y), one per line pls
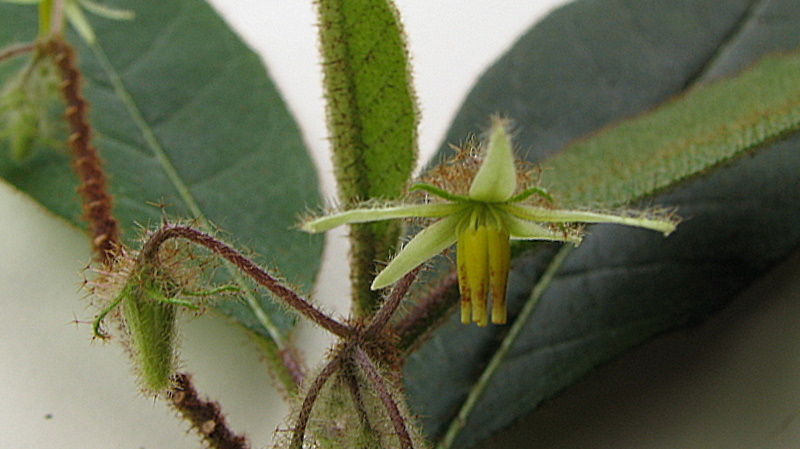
(372, 121)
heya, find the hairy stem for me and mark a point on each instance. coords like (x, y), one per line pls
(358, 400)
(92, 184)
(15, 50)
(428, 312)
(381, 319)
(150, 249)
(204, 415)
(392, 409)
(372, 120)
(299, 431)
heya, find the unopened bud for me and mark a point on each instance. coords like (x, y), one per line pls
(25, 102)
(151, 325)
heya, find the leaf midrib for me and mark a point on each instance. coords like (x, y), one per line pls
(118, 85)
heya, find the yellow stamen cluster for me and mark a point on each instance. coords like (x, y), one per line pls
(483, 258)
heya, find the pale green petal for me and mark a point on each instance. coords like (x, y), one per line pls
(520, 229)
(78, 21)
(107, 12)
(365, 215)
(428, 243)
(496, 180)
(543, 214)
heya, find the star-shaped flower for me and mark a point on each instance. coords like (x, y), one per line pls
(500, 204)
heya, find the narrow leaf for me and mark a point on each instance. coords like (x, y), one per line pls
(706, 126)
(372, 120)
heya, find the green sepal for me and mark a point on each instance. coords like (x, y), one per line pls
(496, 180)
(151, 326)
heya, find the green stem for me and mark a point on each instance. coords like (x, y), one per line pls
(498, 358)
(441, 193)
(97, 325)
(45, 18)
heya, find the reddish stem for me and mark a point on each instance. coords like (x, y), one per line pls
(299, 431)
(358, 400)
(14, 50)
(384, 314)
(92, 185)
(392, 409)
(204, 415)
(150, 249)
(428, 313)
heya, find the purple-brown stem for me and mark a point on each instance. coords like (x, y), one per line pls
(92, 185)
(384, 314)
(204, 415)
(427, 314)
(392, 409)
(150, 249)
(16, 49)
(358, 400)
(299, 431)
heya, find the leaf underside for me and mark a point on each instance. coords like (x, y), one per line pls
(583, 68)
(184, 116)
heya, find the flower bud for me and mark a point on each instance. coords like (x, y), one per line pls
(150, 322)
(25, 102)
(144, 293)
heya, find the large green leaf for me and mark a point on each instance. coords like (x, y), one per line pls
(184, 114)
(584, 67)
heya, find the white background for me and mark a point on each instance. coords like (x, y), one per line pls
(732, 383)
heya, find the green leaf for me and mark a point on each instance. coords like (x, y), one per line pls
(184, 115)
(584, 67)
(372, 121)
(709, 125)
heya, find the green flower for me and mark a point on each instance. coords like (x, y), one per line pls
(499, 205)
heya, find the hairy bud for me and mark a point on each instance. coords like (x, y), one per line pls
(25, 103)
(145, 292)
